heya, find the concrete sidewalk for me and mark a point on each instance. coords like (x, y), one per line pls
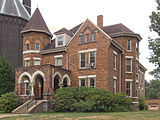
(9, 115)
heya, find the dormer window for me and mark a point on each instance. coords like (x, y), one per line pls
(27, 47)
(60, 41)
(37, 46)
(87, 38)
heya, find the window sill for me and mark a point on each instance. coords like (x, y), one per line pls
(129, 72)
(115, 69)
(87, 42)
(87, 68)
(129, 51)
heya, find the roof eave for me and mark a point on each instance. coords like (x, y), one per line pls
(35, 30)
(126, 34)
(63, 49)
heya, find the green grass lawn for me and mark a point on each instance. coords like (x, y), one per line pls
(138, 115)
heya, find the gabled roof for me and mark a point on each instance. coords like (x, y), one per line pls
(14, 8)
(64, 30)
(117, 28)
(37, 23)
(74, 30)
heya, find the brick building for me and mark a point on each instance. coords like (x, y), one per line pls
(13, 18)
(88, 55)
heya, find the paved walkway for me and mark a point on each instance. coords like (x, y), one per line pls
(10, 115)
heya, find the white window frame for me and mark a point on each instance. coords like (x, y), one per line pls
(62, 40)
(115, 60)
(56, 61)
(130, 46)
(130, 64)
(80, 82)
(80, 61)
(114, 85)
(25, 84)
(89, 60)
(25, 62)
(89, 80)
(36, 47)
(128, 81)
(37, 62)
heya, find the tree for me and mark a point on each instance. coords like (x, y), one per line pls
(154, 44)
(6, 76)
(153, 89)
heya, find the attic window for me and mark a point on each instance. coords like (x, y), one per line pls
(27, 47)
(60, 40)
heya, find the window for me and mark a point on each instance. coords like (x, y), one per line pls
(27, 47)
(36, 62)
(82, 83)
(129, 45)
(114, 61)
(87, 38)
(136, 89)
(137, 46)
(136, 67)
(26, 88)
(26, 63)
(37, 46)
(129, 88)
(129, 65)
(92, 82)
(94, 36)
(60, 41)
(82, 60)
(58, 62)
(80, 39)
(114, 86)
(92, 59)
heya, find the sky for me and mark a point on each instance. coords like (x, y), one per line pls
(132, 13)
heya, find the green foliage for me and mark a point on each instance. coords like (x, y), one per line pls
(6, 76)
(142, 104)
(82, 99)
(154, 44)
(153, 89)
(8, 101)
(122, 102)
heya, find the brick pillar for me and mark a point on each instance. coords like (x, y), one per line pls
(100, 21)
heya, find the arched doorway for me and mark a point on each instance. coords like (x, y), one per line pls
(65, 84)
(38, 87)
(56, 82)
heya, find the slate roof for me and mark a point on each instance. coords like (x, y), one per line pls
(14, 8)
(64, 30)
(37, 23)
(74, 30)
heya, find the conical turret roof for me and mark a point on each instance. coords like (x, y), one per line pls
(13, 8)
(37, 23)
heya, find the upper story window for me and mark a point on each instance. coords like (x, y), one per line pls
(58, 61)
(114, 61)
(136, 67)
(80, 39)
(37, 62)
(26, 63)
(87, 38)
(92, 59)
(114, 86)
(82, 82)
(129, 88)
(129, 45)
(82, 60)
(92, 82)
(137, 46)
(37, 46)
(60, 40)
(94, 36)
(128, 65)
(27, 47)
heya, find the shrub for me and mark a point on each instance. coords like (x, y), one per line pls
(142, 104)
(82, 99)
(8, 101)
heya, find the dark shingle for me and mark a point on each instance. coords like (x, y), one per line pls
(74, 30)
(64, 30)
(37, 23)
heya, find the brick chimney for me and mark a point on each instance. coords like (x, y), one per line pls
(100, 21)
(27, 5)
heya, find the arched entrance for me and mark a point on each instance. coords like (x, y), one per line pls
(38, 87)
(65, 84)
(56, 82)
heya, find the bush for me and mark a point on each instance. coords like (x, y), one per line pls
(142, 104)
(8, 101)
(82, 99)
